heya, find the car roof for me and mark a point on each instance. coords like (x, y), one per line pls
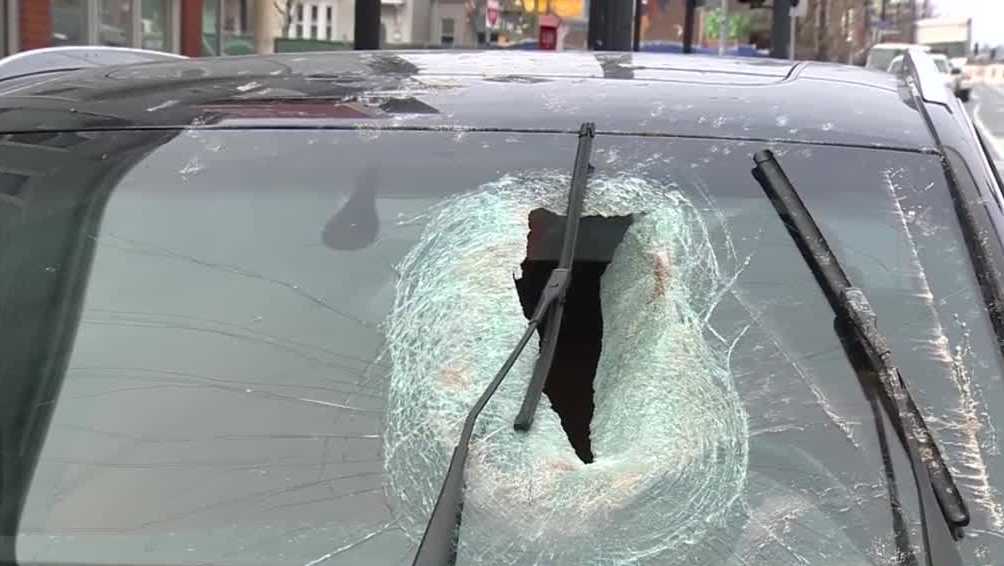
(625, 93)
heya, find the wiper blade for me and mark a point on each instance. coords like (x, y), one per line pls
(549, 342)
(439, 543)
(852, 308)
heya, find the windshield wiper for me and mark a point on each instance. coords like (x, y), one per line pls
(934, 480)
(549, 342)
(439, 543)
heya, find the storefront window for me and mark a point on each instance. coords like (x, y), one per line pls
(4, 23)
(155, 14)
(210, 12)
(238, 27)
(67, 22)
(115, 22)
(446, 32)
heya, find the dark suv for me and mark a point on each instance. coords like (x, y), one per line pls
(248, 303)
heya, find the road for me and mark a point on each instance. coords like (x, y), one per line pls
(987, 108)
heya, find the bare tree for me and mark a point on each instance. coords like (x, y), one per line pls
(823, 31)
(927, 10)
(285, 9)
(835, 30)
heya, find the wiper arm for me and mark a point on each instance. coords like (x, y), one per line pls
(439, 543)
(853, 309)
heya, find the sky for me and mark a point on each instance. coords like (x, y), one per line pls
(987, 15)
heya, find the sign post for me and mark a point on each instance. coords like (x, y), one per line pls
(367, 25)
(780, 33)
(723, 27)
(799, 9)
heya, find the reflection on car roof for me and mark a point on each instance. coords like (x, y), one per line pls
(628, 93)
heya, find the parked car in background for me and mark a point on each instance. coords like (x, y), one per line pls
(881, 55)
(246, 304)
(954, 78)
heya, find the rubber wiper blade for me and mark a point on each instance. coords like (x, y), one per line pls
(852, 309)
(439, 542)
(549, 342)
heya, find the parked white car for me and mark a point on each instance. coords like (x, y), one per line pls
(956, 80)
(881, 55)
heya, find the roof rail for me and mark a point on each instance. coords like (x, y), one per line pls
(925, 75)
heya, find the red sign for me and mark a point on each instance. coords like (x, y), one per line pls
(547, 37)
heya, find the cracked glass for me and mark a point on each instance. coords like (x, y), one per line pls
(257, 347)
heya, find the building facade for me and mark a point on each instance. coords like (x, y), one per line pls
(951, 36)
(190, 27)
(224, 27)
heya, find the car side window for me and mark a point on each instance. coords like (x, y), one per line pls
(988, 154)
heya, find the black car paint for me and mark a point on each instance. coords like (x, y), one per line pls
(310, 93)
(978, 200)
(629, 93)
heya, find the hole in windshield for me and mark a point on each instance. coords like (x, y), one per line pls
(569, 385)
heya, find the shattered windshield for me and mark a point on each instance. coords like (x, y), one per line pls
(258, 347)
